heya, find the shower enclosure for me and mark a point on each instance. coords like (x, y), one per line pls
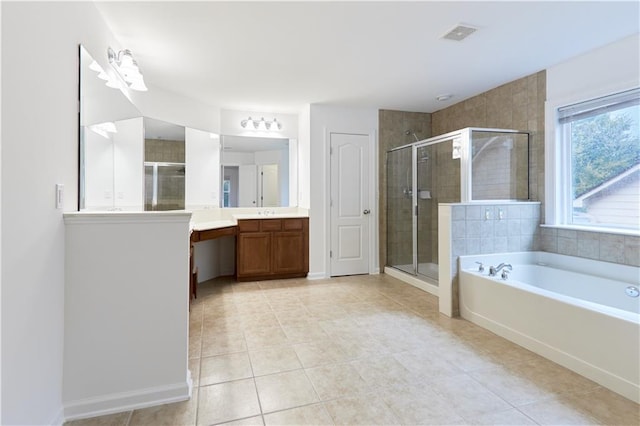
(467, 165)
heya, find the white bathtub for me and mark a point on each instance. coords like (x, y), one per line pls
(570, 310)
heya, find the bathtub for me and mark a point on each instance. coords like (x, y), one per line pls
(573, 311)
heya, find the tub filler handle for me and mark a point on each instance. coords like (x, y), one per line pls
(480, 267)
(505, 274)
(494, 270)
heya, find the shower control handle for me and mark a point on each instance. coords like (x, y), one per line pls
(366, 211)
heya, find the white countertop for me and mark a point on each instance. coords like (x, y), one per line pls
(206, 220)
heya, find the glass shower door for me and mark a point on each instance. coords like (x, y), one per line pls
(427, 219)
(400, 210)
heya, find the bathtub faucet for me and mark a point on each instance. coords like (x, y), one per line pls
(494, 270)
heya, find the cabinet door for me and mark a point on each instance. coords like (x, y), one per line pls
(253, 254)
(288, 249)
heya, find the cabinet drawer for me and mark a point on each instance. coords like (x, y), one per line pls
(271, 224)
(249, 225)
(211, 234)
(292, 225)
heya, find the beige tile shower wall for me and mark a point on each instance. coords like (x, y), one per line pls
(392, 126)
(164, 151)
(516, 105)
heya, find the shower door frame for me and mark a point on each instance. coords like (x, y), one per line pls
(461, 138)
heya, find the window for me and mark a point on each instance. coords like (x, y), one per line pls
(226, 192)
(599, 161)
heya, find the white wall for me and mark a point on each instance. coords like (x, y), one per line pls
(304, 158)
(177, 109)
(39, 149)
(323, 121)
(610, 68)
(98, 170)
(126, 311)
(128, 157)
(202, 179)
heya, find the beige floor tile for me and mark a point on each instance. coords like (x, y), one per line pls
(555, 379)
(469, 398)
(510, 386)
(314, 354)
(251, 421)
(274, 359)
(253, 308)
(419, 405)
(309, 415)
(118, 419)
(502, 418)
(357, 347)
(556, 412)
(224, 368)
(606, 406)
(178, 413)
(304, 332)
(285, 390)
(195, 348)
(223, 344)
(227, 401)
(427, 364)
(382, 371)
(344, 327)
(259, 321)
(265, 337)
(293, 315)
(337, 381)
(361, 410)
(223, 327)
(194, 368)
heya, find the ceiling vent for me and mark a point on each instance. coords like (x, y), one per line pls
(459, 33)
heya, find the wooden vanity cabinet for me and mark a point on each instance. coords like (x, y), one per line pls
(272, 249)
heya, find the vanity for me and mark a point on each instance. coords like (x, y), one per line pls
(271, 246)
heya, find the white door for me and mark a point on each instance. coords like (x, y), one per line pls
(247, 186)
(350, 212)
(268, 188)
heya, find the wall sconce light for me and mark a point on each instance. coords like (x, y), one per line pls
(261, 124)
(127, 68)
(456, 151)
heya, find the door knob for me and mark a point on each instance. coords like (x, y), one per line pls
(367, 211)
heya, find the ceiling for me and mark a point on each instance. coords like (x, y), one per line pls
(265, 56)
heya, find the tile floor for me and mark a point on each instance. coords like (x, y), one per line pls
(363, 350)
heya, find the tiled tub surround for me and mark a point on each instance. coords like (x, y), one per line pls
(363, 350)
(571, 310)
(480, 228)
(615, 248)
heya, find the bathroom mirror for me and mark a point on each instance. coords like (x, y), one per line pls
(110, 139)
(258, 172)
(164, 165)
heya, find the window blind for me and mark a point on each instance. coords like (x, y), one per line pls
(599, 106)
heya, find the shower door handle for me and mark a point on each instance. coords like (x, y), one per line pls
(366, 211)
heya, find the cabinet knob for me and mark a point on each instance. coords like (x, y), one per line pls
(366, 211)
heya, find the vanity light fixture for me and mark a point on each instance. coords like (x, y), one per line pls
(127, 68)
(261, 124)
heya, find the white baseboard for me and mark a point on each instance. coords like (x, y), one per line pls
(58, 419)
(125, 401)
(316, 276)
(410, 279)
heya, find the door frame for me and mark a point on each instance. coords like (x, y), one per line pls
(372, 137)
